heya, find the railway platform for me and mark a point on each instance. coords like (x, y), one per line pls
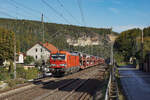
(135, 83)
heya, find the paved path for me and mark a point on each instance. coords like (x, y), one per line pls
(135, 83)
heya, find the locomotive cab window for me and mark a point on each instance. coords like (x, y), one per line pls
(58, 57)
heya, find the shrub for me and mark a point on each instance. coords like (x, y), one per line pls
(11, 83)
(29, 60)
(31, 73)
(4, 76)
(21, 73)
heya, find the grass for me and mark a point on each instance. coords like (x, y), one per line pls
(121, 91)
(123, 63)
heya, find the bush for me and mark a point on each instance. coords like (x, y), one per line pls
(21, 73)
(31, 73)
(11, 83)
(4, 75)
(29, 60)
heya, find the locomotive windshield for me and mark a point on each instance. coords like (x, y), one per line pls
(58, 57)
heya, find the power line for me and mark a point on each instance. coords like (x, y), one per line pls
(12, 11)
(15, 3)
(7, 14)
(26, 7)
(61, 4)
(16, 6)
(81, 11)
(54, 10)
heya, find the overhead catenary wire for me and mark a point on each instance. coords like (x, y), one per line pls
(21, 14)
(29, 9)
(54, 10)
(6, 14)
(81, 11)
(26, 7)
(62, 5)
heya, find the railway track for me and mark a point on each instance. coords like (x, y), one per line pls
(57, 87)
(66, 90)
(26, 87)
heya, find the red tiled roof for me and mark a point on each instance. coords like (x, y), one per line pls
(50, 47)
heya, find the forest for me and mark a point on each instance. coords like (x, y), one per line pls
(129, 44)
(29, 32)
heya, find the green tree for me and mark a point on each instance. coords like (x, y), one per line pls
(128, 44)
(6, 44)
(29, 60)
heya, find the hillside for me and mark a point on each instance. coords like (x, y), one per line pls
(79, 38)
(129, 44)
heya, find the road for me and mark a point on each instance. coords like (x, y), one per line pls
(136, 84)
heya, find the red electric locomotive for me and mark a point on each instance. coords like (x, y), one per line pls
(64, 62)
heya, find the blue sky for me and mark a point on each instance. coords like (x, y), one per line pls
(118, 14)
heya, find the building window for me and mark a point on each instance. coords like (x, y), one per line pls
(36, 50)
(41, 49)
(36, 57)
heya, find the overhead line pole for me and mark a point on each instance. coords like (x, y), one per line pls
(14, 56)
(112, 54)
(42, 20)
(15, 47)
(142, 47)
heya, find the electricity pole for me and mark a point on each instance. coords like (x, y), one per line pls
(14, 56)
(112, 54)
(15, 46)
(42, 20)
(142, 47)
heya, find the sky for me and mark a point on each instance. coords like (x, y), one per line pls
(118, 14)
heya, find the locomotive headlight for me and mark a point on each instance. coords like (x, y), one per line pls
(53, 64)
(62, 64)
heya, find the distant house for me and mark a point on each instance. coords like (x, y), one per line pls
(20, 58)
(41, 51)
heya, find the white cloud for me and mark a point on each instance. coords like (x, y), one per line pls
(126, 27)
(114, 10)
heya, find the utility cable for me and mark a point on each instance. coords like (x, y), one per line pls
(54, 10)
(7, 14)
(27, 8)
(61, 4)
(81, 11)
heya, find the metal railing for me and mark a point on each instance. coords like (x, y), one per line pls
(112, 92)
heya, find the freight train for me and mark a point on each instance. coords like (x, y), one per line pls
(65, 62)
